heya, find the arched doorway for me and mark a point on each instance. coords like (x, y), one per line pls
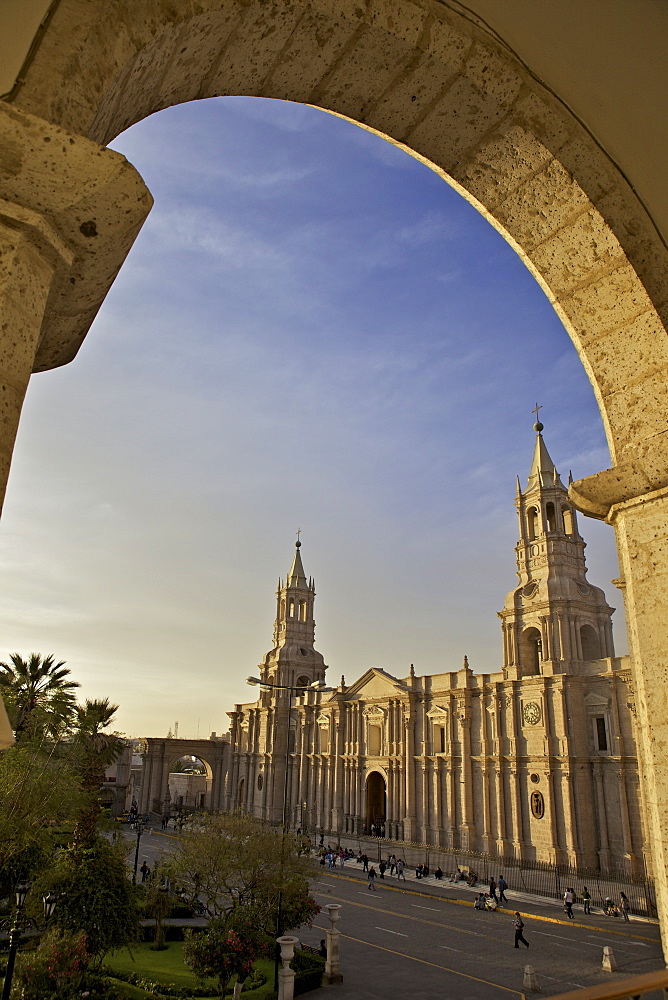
(376, 804)
(531, 651)
(189, 785)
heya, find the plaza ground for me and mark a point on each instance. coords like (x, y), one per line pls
(422, 939)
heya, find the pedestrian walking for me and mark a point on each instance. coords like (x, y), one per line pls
(365, 863)
(569, 899)
(502, 886)
(145, 871)
(393, 863)
(371, 878)
(381, 868)
(519, 927)
(586, 899)
(400, 870)
(624, 906)
(492, 889)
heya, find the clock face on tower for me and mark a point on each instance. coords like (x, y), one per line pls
(532, 713)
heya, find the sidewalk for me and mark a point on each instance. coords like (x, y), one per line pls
(462, 893)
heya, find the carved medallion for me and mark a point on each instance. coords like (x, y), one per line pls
(537, 805)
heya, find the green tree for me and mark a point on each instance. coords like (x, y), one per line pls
(95, 896)
(38, 788)
(93, 750)
(236, 861)
(37, 690)
(227, 949)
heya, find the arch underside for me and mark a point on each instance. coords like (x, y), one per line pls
(448, 94)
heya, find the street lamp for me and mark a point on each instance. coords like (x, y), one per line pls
(139, 827)
(292, 690)
(14, 939)
(49, 900)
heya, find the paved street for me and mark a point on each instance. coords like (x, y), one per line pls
(426, 941)
(423, 939)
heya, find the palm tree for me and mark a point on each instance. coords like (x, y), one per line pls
(38, 683)
(95, 750)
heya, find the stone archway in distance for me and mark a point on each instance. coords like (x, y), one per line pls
(449, 92)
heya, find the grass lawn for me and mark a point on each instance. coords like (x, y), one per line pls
(169, 968)
(160, 966)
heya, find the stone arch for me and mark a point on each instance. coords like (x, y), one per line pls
(158, 760)
(188, 792)
(446, 90)
(439, 87)
(590, 642)
(530, 651)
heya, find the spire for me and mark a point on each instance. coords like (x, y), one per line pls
(543, 471)
(296, 576)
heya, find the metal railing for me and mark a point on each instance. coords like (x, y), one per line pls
(629, 988)
(538, 878)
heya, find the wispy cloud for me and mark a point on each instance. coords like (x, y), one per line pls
(312, 329)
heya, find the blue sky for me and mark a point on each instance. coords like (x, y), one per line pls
(312, 330)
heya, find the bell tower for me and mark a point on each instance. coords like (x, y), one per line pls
(555, 618)
(294, 659)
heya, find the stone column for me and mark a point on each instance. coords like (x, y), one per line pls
(410, 818)
(634, 499)
(467, 829)
(564, 637)
(333, 964)
(487, 837)
(286, 975)
(604, 852)
(501, 842)
(338, 796)
(69, 213)
(31, 252)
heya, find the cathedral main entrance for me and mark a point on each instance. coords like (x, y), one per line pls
(376, 804)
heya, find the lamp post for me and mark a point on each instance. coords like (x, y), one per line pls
(14, 939)
(291, 690)
(139, 828)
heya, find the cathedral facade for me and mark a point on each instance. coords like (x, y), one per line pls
(535, 761)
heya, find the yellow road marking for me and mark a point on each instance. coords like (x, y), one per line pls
(529, 916)
(422, 961)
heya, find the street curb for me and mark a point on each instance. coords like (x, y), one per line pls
(529, 916)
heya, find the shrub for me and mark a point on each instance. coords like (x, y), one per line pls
(57, 967)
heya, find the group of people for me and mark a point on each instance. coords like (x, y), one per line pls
(610, 908)
(331, 856)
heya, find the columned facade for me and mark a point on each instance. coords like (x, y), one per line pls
(537, 760)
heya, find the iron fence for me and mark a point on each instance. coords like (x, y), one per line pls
(539, 878)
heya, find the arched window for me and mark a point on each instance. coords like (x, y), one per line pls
(291, 608)
(532, 523)
(550, 517)
(591, 647)
(531, 651)
(302, 682)
(302, 611)
(567, 520)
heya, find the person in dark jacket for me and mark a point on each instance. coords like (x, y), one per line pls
(519, 927)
